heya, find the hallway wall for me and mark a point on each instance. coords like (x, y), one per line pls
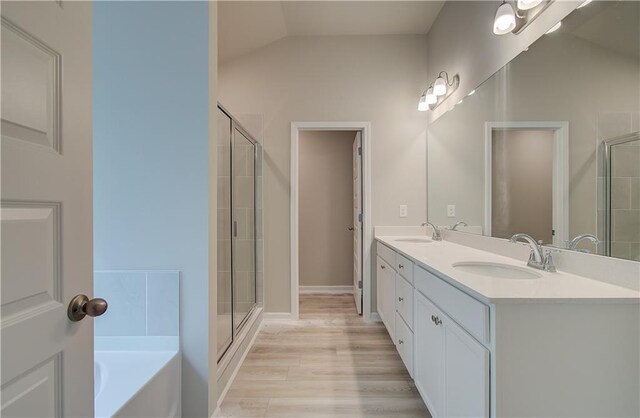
(326, 208)
(334, 78)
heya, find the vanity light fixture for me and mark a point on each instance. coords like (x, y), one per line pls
(505, 20)
(442, 87)
(471, 93)
(513, 16)
(528, 4)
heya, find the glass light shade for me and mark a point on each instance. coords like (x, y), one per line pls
(505, 20)
(584, 3)
(422, 104)
(554, 28)
(528, 4)
(440, 87)
(431, 98)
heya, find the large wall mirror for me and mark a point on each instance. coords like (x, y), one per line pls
(549, 145)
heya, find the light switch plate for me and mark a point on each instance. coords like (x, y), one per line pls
(451, 211)
(403, 211)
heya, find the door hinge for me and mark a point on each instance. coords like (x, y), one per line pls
(359, 150)
(360, 217)
(360, 284)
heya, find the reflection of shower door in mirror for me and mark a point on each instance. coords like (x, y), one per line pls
(622, 197)
(243, 203)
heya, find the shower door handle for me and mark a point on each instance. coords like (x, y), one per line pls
(235, 229)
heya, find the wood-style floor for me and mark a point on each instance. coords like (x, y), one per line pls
(330, 363)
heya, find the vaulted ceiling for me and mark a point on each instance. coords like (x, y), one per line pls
(244, 26)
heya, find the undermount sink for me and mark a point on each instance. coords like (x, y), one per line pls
(496, 270)
(413, 240)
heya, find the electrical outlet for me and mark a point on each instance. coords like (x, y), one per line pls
(451, 211)
(403, 211)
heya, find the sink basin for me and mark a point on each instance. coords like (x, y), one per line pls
(414, 240)
(496, 270)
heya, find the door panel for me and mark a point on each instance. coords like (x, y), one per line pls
(466, 374)
(357, 223)
(429, 355)
(46, 219)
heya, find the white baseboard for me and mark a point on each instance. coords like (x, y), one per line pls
(276, 316)
(327, 290)
(375, 317)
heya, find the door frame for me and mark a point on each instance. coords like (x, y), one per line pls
(560, 182)
(367, 227)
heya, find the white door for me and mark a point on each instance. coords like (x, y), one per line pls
(357, 221)
(46, 141)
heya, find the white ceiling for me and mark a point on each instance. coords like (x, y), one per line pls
(244, 26)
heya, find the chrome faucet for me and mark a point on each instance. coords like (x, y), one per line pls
(573, 245)
(454, 227)
(437, 234)
(538, 258)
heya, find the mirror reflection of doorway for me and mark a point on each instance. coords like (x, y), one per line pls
(525, 190)
(521, 183)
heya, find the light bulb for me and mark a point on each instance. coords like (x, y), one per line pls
(471, 93)
(528, 4)
(505, 20)
(440, 87)
(431, 98)
(422, 104)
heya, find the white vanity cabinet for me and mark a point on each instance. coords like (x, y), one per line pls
(449, 365)
(451, 369)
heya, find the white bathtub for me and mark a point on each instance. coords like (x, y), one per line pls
(137, 384)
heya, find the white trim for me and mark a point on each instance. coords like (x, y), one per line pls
(560, 174)
(276, 316)
(375, 317)
(367, 227)
(221, 370)
(325, 290)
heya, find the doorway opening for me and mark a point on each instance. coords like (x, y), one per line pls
(525, 180)
(330, 221)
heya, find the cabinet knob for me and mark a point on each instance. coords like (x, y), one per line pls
(400, 342)
(382, 267)
(400, 299)
(400, 266)
(436, 320)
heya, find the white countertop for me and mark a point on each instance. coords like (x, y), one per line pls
(438, 258)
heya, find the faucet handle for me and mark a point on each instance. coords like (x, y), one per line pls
(547, 262)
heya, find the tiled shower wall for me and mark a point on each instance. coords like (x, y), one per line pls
(141, 303)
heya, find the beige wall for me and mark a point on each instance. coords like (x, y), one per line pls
(326, 208)
(333, 78)
(522, 183)
(461, 41)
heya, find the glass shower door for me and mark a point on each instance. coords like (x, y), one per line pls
(244, 226)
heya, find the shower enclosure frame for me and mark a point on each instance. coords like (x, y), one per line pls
(608, 143)
(236, 126)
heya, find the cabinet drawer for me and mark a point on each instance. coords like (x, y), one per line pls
(467, 311)
(386, 253)
(404, 300)
(404, 266)
(404, 343)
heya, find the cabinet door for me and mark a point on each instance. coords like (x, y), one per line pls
(466, 373)
(428, 354)
(389, 301)
(380, 272)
